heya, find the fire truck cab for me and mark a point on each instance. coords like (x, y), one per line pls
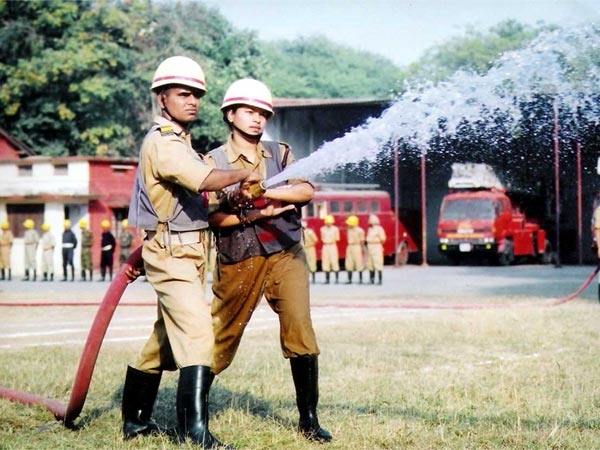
(343, 203)
(478, 220)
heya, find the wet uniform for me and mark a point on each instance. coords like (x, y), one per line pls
(87, 241)
(264, 257)
(125, 242)
(167, 205)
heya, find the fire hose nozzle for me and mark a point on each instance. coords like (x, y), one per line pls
(257, 190)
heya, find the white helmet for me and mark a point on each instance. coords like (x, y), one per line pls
(248, 92)
(179, 70)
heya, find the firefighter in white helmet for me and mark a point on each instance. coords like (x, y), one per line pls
(375, 239)
(271, 261)
(167, 203)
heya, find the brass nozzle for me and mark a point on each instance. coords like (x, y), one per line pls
(257, 189)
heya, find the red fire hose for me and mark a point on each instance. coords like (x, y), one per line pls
(68, 414)
(89, 355)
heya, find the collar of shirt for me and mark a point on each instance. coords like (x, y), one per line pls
(234, 154)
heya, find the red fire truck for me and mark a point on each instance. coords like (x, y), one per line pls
(478, 220)
(343, 203)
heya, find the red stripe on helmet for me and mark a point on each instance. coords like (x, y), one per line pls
(179, 77)
(232, 100)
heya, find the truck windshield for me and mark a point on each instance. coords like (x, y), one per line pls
(467, 209)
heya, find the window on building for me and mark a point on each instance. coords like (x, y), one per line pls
(61, 169)
(334, 207)
(348, 206)
(361, 206)
(26, 171)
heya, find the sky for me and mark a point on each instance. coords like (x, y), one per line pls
(400, 30)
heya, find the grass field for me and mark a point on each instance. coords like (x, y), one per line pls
(515, 378)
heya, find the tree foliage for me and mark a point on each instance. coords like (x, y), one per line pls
(318, 68)
(475, 51)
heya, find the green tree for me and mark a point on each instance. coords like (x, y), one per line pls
(315, 67)
(474, 52)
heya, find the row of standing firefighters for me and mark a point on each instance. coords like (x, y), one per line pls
(32, 240)
(363, 250)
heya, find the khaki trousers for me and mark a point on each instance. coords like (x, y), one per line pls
(183, 334)
(238, 288)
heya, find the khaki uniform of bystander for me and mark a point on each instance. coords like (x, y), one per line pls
(47, 243)
(354, 260)
(31, 240)
(125, 241)
(375, 239)
(6, 242)
(330, 259)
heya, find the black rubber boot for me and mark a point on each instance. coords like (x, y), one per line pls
(9, 274)
(349, 278)
(91, 275)
(312, 276)
(45, 276)
(26, 275)
(192, 406)
(64, 273)
(139, 395)
(379, 276)
(372, 276)
(34, 275)
(3, 275)
(359, 277)
(326, 277)
(337, 277)
(305, 372)
(52, 277)
(83, 276)
(72, 273)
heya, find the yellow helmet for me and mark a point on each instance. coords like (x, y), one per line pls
(373, 220)
(329, 220)
(105, 223)
(352, 221)
(45, 226)
(179, 70)
(29, 224)
(124, 223)
(67, 223)
(82, 223)
(248, 92)
(5, 225)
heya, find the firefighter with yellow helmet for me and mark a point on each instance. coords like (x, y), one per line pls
(69, 243)
(330, 259)
(47, 243)
(260, 251)
(309, 240)
(167, 202)
(31, 240)
(6, 243)
(87, 241)
(354, 260)
(107, 250)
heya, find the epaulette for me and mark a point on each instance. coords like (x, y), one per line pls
(166, 130)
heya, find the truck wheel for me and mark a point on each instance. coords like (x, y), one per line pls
(402, 253)
(507, 256)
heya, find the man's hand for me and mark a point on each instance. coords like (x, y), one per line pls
(132, 273)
